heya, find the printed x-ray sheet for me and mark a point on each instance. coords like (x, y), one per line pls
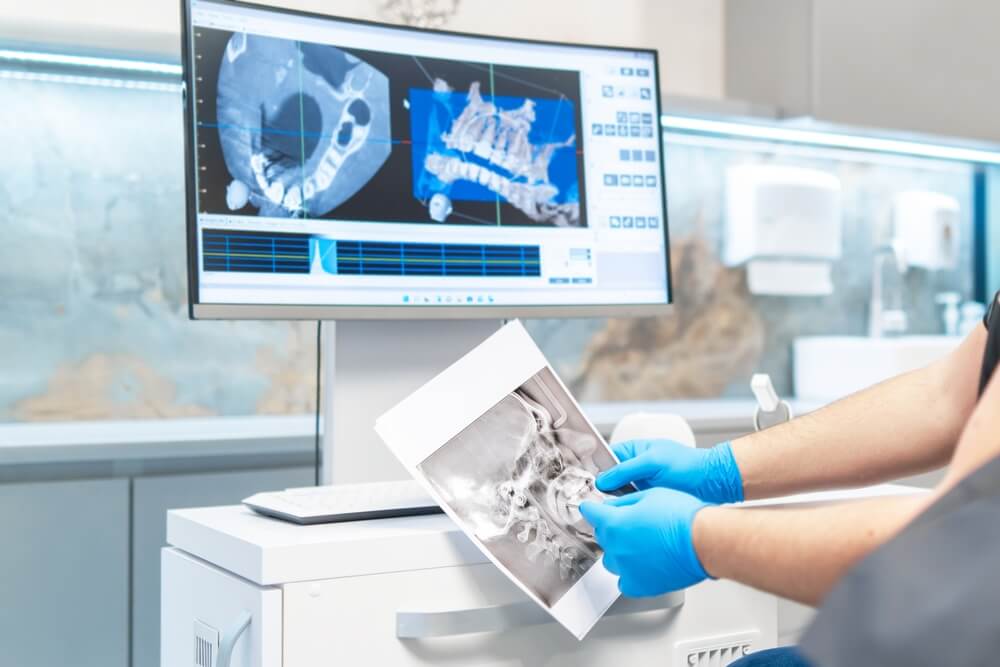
(502, 446)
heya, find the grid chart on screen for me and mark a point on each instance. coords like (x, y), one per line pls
(436, 259)
(255, 252)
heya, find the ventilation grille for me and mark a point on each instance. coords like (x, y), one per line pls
(204, 653)
(715, 651)
(206, 644)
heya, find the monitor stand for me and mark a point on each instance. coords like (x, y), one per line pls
(369, 366)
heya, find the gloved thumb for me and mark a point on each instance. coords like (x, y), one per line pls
(633, 470)
(596, 514)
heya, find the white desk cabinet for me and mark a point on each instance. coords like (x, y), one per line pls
(407, 592)
(415, 592)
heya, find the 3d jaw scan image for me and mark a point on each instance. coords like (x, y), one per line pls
(516, 477)
(302, 126)
(516, 150)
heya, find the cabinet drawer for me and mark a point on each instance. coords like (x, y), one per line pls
(356, 621)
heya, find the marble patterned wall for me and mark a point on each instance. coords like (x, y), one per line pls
(718, 334)
(93, 321)
(93, 300)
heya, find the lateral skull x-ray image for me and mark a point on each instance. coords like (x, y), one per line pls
(302, 126)
(516, 477)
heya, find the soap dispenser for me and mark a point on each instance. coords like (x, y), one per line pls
(950, 315)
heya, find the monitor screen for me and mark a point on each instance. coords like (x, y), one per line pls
(346, 169)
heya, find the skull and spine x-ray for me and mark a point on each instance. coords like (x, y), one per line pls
(517, 476)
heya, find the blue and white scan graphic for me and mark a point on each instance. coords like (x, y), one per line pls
(302, 126)
(515, 150)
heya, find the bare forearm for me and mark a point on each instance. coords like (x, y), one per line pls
(904, 426)
(796, 553)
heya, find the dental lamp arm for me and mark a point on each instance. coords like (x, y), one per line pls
(903, 426)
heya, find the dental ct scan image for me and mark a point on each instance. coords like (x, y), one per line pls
(307, 130)
(516, 477)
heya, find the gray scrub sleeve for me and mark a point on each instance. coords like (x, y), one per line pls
(930, 596)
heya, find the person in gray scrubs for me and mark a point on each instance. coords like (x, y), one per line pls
(905, 580)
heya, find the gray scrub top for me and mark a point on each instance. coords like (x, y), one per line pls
(931, 595)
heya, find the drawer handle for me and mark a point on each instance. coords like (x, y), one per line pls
(428, 624)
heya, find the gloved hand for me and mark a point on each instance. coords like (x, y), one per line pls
(709, 474)
(646, 537)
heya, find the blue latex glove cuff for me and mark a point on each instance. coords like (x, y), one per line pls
(693, 563)
(723, 483)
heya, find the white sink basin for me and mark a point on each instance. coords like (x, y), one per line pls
(826, 368)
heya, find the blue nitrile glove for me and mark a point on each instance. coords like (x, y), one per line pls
(646, 537)
(710, 474)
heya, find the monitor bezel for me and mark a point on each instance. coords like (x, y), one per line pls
(236, 311)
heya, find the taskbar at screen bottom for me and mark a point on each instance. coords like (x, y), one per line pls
(202, 311)
(456, 298)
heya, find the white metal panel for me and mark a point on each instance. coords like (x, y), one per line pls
(63, 565)
(195, 591)
(353, 621)
(151, 497)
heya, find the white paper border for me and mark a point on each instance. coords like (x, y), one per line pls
(419, 426)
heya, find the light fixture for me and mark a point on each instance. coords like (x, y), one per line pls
(833, 139)
(98, 81)
(39, 58)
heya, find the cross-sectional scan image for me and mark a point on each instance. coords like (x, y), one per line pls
(302, 126)
(516, 477)
(292, 129)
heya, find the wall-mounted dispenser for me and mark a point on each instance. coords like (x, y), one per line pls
(925, 224)
(784, 223)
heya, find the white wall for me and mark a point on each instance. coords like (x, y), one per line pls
(916, 65)
(688, 33)
(920, 65)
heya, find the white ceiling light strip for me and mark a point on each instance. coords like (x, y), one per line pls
(93, 62)
(99, 81)
(829, 139)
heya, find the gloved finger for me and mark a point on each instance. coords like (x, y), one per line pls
(633, 470)
(626, 450)
(610, 564)
(597, 515)
(626, 500)
(633, 587)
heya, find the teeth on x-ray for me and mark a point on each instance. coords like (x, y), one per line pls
(501, 138)
(302, 126)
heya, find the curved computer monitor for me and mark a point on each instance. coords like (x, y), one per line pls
(339, 169)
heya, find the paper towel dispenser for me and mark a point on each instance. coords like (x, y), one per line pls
(784, 223)
(926, 226)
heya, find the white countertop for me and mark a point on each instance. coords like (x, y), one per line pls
(64, 442)
(269, 551)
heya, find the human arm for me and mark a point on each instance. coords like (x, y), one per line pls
(906, 425)
(799, 553)
(661, 539)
